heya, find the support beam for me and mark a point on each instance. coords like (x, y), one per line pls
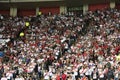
(63, 9)
(13, 11)
(37, 10)
(85, 8)
(112, 4)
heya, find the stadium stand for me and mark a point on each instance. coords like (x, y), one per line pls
(63, 46)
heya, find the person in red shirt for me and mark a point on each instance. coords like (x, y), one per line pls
(61, 76)
(64, 76)
(58, 76)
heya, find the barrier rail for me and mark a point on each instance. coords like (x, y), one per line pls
(27, 0)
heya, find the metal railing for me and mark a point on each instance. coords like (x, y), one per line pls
(4, 0)
(26, 0)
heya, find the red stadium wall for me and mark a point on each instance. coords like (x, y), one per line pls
(117, 6)
(26, 12)
(5, 12)
(53, 10)
(93, 7)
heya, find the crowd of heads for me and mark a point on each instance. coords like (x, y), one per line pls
(62, 47)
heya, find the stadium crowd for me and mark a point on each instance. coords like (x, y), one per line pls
(62, 47)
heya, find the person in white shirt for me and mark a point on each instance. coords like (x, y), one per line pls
(46, 75)
(94, 75)
(4, 78)
(9, 75)
(19, 78)
(101, 74)
(82, 71)
(88, 72)
(116, 74)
